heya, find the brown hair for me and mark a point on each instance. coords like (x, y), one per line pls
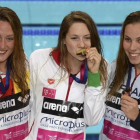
(122, 63)
(82, 17)
(18, 62)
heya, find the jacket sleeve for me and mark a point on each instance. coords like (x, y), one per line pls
(136, 124)
(94, 102)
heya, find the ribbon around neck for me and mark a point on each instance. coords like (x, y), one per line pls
(83, 74)
(129, 75)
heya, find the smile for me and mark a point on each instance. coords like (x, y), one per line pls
(1, 52)
(134, 55)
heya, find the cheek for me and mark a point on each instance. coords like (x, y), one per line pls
(11, 47)
(125, 46)
(88, 43)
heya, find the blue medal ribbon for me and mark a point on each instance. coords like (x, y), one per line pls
(5, 88)
(83, 74)
(129, 75)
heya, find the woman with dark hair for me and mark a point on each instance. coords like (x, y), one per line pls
(14, 78)
(68, 94)
(122, 116)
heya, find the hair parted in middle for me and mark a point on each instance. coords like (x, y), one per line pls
(80, 17)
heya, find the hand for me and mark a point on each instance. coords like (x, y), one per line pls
(129, 106)
(93, 60)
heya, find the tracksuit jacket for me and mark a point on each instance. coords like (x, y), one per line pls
(14, 111)
(62, 108)
(116, 125)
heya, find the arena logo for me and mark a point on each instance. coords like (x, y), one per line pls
(55, 107)
(77, 110)
(7, 104)
(114, 99)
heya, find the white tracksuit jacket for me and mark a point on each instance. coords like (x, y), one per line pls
(14, 112)
(116, 125)
(59, 111)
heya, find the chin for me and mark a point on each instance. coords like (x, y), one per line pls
(81, 59)
(135, 62)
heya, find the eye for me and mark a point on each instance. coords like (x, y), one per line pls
(87, 37)
(127, 39)
(9, 38)
(74, 38)
(139, 40)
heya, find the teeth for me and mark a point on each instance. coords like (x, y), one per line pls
(134, 54)
(2, 51)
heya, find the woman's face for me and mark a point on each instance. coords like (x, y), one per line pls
(131, 43)
(6, 41)
(78, 37)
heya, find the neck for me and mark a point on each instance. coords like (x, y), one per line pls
(137, 69)
(3, 67)
(75, 65)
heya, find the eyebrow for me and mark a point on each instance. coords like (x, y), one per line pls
(87, 35)
(126, 36)
(78, 35)
(10, 35)
(130, 37)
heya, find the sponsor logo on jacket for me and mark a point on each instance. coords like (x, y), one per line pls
(13, 102)
(117, 117)
(62, 108)
(57, 107)
(7, 104)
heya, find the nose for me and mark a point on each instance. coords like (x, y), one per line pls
(133, 46)
(81, 43)
(2, 43)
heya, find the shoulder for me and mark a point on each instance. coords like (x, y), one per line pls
(113, 65)
(40, 53)
(39, 57)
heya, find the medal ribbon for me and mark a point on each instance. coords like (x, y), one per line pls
(83, 74)
(129, 75)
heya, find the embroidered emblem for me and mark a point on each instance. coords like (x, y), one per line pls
(51, 81)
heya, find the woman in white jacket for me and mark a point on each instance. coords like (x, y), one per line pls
(65, 82)
(122, 116)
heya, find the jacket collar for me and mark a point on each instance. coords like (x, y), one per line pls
(56, 56)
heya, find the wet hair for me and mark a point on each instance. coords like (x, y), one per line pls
(122, 62)
(80, 17)
(18, 61)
